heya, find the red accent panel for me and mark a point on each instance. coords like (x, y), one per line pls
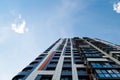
(89, 74)
(46, 61)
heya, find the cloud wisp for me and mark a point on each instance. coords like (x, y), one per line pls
(116, 7)
(19, 26)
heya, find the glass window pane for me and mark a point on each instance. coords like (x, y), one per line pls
(107, 75)
(118, 75)
(115, 71)
(113, 75)
(101, 75)
(109, 71)
(99, 65)
(92, 63)
(103, 71)
(98, 71)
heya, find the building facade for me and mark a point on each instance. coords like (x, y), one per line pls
(75, 59)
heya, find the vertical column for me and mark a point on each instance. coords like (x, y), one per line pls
(74, 70)
(57, 74)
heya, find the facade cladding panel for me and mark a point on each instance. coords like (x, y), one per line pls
(75, 59)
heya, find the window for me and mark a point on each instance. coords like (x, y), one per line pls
(52, 62)
(104, 71)
(78, 61)
(96, 65)
(27, 69)
(98, 71)
(35, 62)
(77, 58)
(92, 55)
(66, 78)
(18, 77)
(67, 64)
(75, 51)
(66, 71)
(101, 65)
(67, 54)
(118, 75)
(43, 54)
(57, 55)
(50, 68)
(107, 75)
(81, 71)
(67, 58)
(101, 75)
(39, 58)
(109, 71)
(107, 65)
(60, 47)
(76, 54)
(44, 77)
(55, 58)
(113, 73)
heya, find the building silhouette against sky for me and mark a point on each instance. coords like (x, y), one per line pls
(75, 59)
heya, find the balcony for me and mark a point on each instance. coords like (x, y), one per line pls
(109, 74)
(104, 65)
(82, 72)
(66, 77)
(67, 64)
(52, 65)
(66, 71)
(19, 77)
(78, 62)
(93, 55)
(44, 77)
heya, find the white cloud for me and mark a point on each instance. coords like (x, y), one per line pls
(116, 7)
(19, 16)
(19, 26)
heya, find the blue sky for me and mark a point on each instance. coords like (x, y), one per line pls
(28, 27)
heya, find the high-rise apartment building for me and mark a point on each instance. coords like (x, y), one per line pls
(75, 59)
